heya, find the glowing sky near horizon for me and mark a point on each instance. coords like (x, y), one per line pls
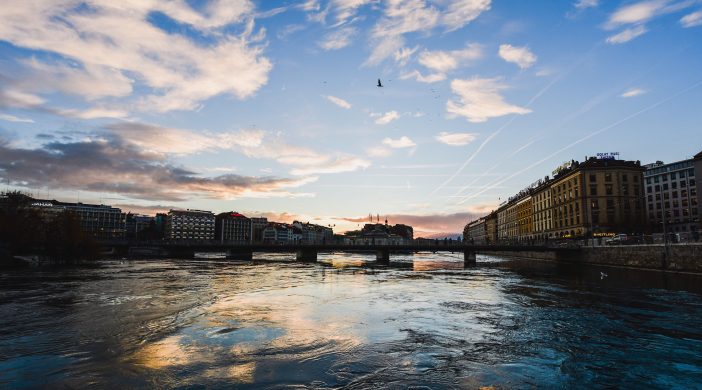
(271, 108)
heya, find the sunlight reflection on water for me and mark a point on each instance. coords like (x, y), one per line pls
(348, 322)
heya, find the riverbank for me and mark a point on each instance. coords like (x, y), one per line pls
(671, 258)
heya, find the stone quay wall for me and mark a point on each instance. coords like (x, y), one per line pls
(676, 257)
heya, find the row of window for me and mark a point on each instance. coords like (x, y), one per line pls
(672, 175)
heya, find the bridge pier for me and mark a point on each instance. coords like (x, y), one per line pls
(469, 258)
(244, 254)
(382, 256)
(307, 255)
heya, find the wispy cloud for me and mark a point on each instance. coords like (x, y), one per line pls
(257, 144)
(626, 35)
(636, 13)
(12, 118)
(517, 55)
(106, 49)
(338, 101)
(480, 99)
(445, 61)
(456, 139)
(583, 4)
(385, 118)
(344, 163)
(402, 142)
(338, 39)
(692, 20)
(85, 165)
(633, 92)
(430, 78)
(401, 17)
(379, 151)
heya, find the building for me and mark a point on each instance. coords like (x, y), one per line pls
(99, 221)
(278, 233)
(671, 196)
(402, 230)
(140, 227)
(698, 188)
(600, 196)
(314, 234)
(257, 226)
(541, 203)
(380, 234)
(475, 232)
(232, 226)
(525, 219)
(491, 228)
(508, 220)
(190, 225)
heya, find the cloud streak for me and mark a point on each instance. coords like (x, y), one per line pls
(633, 92)
(480, 99)
(385, 118)
(456, 139)
(111, 166)
(517, 55)
(338, 101)
(105, 49)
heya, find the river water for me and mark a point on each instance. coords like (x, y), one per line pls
(425, 322)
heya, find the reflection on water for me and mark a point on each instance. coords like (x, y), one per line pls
(348, 322)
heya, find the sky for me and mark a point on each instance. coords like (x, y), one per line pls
(272, 108)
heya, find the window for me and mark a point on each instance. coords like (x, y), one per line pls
(608, 189)
(625, 177)
(658, 188)
(649, 189)
(648, 180)
(625, 189)
(656, 179)
(672, 175)
(665, 177)
(593, 190)
(610, 203)
(608, 177)
(674, 185)
(690, 172)
(650, 198)
(675, 194)
(683, 184)
(593, 178)
(692, 182)
(595, 218)
(595, 204)
(682, 174)
(665, 187)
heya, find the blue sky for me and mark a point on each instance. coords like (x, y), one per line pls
(272, 108)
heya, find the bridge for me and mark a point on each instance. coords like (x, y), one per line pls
(308, 252)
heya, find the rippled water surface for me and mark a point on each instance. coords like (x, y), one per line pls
(344, 323)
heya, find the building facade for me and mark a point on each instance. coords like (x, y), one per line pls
(491, 228)
(232, 226)
(475, 232)
(100, 221)
(672, 196)
(190, 225)
(257, 226)
(137, 226)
